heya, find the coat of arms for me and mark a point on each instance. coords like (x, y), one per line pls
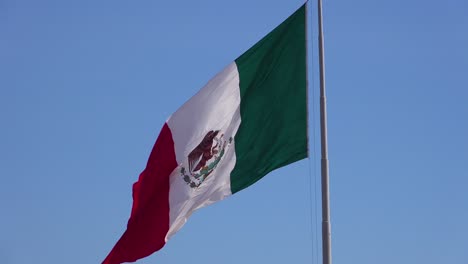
(204, 158)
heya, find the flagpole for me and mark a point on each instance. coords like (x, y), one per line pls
(326, 228)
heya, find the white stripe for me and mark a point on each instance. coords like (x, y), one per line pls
(214, 107)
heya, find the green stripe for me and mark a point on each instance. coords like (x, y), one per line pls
(273, 129)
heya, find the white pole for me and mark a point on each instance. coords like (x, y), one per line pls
(326, 229)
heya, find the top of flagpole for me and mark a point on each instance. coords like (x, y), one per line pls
(326, 227)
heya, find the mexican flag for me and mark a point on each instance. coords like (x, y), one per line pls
(248, 120)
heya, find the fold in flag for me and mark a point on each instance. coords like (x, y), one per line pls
(250, 119)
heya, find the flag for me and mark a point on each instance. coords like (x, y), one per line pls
(248, 120)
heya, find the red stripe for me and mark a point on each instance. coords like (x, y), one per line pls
(149, 220)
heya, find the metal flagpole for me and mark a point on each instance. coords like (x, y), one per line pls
(326, 230)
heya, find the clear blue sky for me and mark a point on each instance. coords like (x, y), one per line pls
(85, 87)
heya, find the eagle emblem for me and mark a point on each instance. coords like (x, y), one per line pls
(204, 159)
